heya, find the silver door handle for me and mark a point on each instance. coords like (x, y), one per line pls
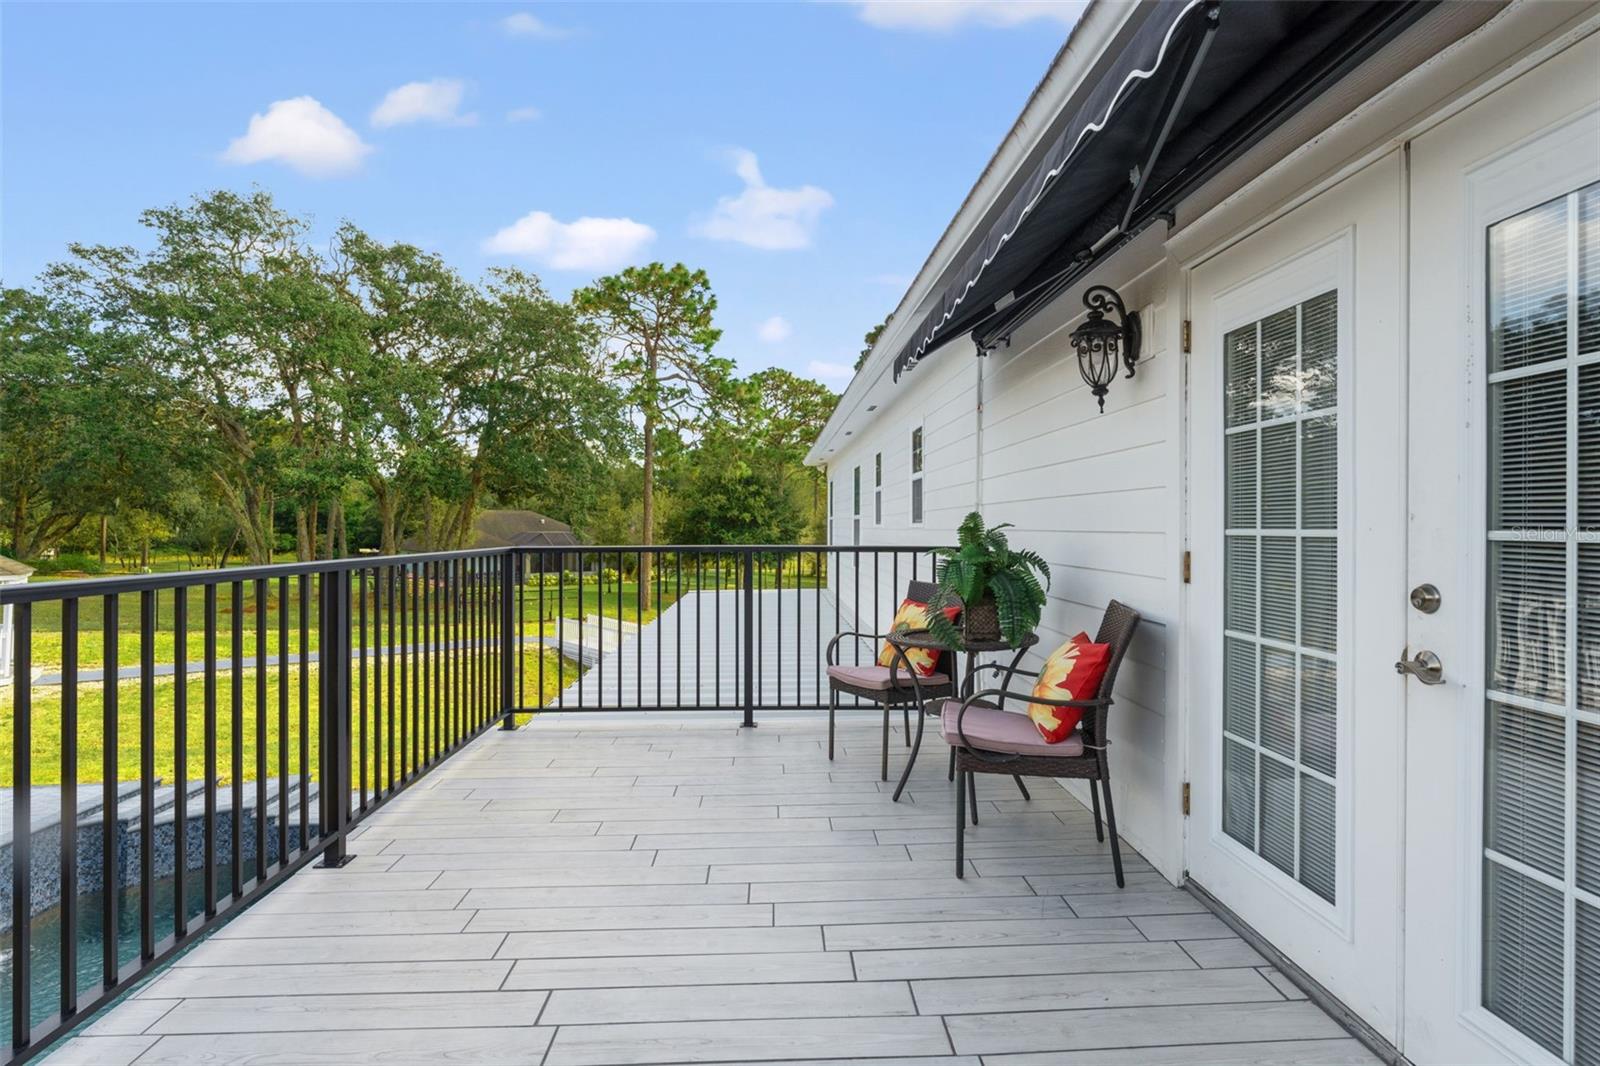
(1424, 666)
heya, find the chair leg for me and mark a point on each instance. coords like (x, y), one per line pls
(886, 742)
(961, 824)
(1023, 788)
(972, 794)
(1111, 825)
(911, 760)
(833, 707)
(905, 719)
(1094, 801)
(952, 764)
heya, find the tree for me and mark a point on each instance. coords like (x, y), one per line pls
(83, 420)
(656, 324)
(869, 340)
(234, 308)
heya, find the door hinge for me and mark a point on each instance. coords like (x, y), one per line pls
(1186, 799)
(1187, 560)
(1188, 335)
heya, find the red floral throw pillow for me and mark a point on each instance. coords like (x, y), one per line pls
(1073, 672)
(913, 616)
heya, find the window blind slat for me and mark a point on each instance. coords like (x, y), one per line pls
(1277, 814)
(1528, 443)
(1528, 288)
(1523, 952)
(1525, 787)
(1317, 836)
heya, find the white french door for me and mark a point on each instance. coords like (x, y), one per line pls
(1503, 776)
(1296, 521)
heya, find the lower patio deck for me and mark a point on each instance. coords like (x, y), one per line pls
(667, 890)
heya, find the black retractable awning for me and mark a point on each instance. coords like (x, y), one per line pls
(1197, 84)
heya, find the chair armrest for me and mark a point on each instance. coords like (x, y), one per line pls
(833, 644)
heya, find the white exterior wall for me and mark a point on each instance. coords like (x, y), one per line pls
(1096, 494)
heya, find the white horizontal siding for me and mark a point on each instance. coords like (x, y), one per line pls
(1095, 494)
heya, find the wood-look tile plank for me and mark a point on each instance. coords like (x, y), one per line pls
(920, 912)
(669, 916)
(590, 944)
(609, 896)
(1132, 903)
(100, 1050)
(684, 1003)
(583, 877)
(348, 949)
(1124, 1027)
(740, 858)
(424, 899)
(502, 1046)
(534, 858)
(1085, 991)
(1346, 1051)
(1009, 961)
(1182, 926)
(885, 887)
(323, 1013)
(253, 925)
(330, 978)
(980, 933)
(1221, 952)
(744, 1041)
(652, 970)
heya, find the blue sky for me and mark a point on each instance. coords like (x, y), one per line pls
(807, 155)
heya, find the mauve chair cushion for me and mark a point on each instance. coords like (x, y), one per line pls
(878, 677)
(992, 729)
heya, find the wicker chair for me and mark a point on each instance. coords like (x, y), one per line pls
(895, 685)
(987, 739)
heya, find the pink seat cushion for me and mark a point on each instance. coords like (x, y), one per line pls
(993, 729)
(878, 677)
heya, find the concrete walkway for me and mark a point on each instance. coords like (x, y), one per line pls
(659, 890)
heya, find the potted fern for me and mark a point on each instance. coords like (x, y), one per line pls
(1000, 588)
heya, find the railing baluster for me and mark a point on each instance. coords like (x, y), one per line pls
(110, 867)
(209, 854)
(389, 659)
(22, 832)
(361, 704)
(180, 761)
(305, 710)
(236, 735)
(261, 728)
(68, 851)
(147, 773)
(283, 720)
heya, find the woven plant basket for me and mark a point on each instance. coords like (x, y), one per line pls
(980, 622)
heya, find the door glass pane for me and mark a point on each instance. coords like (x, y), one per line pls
(1281, 590)
(1541, 951)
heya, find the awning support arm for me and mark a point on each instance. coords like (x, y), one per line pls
(1177, 93)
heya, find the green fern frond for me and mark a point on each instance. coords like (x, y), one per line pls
(984, 564)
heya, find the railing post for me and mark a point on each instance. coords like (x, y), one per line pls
(510, 653)
(334, 711)
(749, 639)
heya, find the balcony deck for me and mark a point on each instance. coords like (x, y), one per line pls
(653, 890)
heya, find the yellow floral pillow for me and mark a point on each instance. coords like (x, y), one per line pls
(913, 616)
(1073, 672)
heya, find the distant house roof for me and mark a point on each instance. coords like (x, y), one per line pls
(515, 529)
(10, 568)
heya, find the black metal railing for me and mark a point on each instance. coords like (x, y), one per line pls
(270, 709)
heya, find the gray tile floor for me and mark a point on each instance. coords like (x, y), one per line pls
(656, 890)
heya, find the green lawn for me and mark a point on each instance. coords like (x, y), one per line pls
(47, 738)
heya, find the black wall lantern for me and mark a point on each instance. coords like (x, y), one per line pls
(1101, 343)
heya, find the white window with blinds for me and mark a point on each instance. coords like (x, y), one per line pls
(1541, 818)
(916, 475)
(1280, 768)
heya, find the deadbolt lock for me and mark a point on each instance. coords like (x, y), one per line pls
(1425, 598)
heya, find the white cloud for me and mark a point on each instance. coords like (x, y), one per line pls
(762, 216)
(942, 16)
(775, 330)
(524, 24)
(438, 101)
(524, 114)
(583, 244)
(830, 371)
(302, 134)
